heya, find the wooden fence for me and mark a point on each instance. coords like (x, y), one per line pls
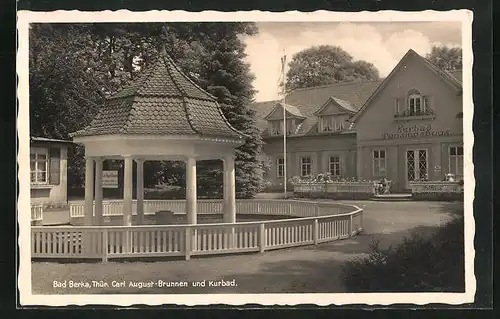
(314, 223)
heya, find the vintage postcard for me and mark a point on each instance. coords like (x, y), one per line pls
(179, 158)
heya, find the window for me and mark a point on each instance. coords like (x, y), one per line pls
(417, 104)
(379, 163)
(327, 123)
(340, 123)
(305, 166)
(331, 123)
(290, 126)
(39, 165)
(456, 161)
(396, 106)
(334, 165)
(275, 127)
(280, 167)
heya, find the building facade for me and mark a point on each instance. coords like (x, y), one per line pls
(405, 127)
(48, 171)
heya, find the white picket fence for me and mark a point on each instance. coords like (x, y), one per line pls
(316, 223)
(249, 206)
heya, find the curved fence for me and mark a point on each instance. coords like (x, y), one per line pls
(294, 208)
(315, 223)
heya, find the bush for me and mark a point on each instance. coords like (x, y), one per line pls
(418, 264)
(272, 188)
(164, 193)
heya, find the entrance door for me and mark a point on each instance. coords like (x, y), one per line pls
(416, 165)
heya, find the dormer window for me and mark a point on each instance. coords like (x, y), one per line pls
(290, 126)
(293, 116)
(327, 123)
(331, 123)
(275, 127)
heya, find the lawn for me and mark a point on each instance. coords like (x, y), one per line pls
(299, 270)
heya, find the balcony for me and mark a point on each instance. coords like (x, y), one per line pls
(415, 115)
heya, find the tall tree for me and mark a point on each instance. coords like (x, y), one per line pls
(224, 74)
(64, 93)
(446, 58)
(326, 64)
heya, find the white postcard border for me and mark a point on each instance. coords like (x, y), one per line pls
(322, 299)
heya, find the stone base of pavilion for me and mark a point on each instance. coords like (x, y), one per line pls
(170, 218)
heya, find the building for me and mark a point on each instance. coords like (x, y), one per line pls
(405, 127)
(48, 171)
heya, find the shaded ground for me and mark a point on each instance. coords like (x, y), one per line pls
(302, 269)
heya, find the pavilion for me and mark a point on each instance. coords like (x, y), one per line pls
(162, 115)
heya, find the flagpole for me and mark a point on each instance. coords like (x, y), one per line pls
(284, 125)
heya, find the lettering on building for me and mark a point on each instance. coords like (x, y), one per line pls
(415, 131)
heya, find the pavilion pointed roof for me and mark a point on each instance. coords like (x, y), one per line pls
(162, 101)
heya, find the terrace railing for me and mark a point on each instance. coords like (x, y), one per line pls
(314, 223)
(436, 187)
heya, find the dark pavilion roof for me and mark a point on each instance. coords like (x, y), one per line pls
(162, 101)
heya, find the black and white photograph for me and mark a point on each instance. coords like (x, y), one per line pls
(235, 158)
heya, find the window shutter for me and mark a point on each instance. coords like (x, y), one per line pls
(426, 102)
(54, 166)
(402, 104)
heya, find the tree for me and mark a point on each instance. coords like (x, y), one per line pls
(326, 64)
(446, 58)
(64, 94)
(225, 75)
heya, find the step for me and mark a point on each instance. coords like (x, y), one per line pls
(393, 197)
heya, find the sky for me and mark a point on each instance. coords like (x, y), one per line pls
(381, 43)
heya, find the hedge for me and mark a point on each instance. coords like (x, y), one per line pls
(419, 264)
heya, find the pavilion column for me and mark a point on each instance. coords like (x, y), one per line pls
(192, 235)
(89, 191)
(229, 209)
(191, 190)
(140, 190)
(98, 191)
(229, 190)
(127, 192)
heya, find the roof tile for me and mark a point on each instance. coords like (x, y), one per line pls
(161, 101)
(307, 101)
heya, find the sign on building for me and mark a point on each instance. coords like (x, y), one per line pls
(110, 179)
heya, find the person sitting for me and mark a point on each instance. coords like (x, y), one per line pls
(383, 186)
(450, 177)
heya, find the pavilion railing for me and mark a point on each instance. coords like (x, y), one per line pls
(316, 223)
